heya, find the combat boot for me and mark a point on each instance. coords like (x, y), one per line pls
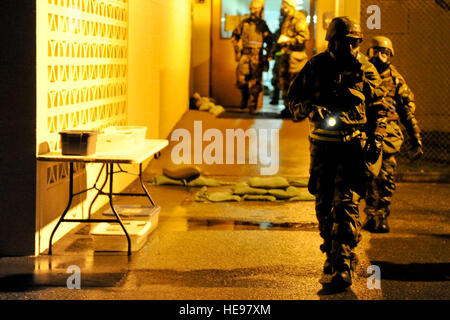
(275, 97)
(382, 225)
(328, 265)
(253, 109)
(353, 261)
(243, 104)
(370, 222)
(344, 262)
(285, 113)
(342, 278)
(244, 98)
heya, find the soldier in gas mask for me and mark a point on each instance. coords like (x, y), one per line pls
(339, 91)
(400, 108)
(292, 40)
(252, 42)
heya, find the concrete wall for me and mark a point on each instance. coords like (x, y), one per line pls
(336, 8)
(323, 9)
(174, 33)
(201, 48)
(159, 63)
(17, 128)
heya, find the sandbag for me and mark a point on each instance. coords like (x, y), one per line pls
(298, 182)
(268, 182)
(243, 188)
(187, 173)
(204, 196)
(164, 180)
(207, 182)
(216, 110)
(258, 197)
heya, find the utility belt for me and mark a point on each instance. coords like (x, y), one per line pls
(292, 50)
(342, 136)
(337, 128)
(251, 46)
(296, 47)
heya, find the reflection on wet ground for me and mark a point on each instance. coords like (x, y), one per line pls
(192, 224)
(80, 242)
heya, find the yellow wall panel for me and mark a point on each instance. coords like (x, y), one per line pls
(82, 64)
(82, 83)
(159, 63)
(103, 63)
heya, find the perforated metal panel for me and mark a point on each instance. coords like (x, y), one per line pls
(419, 32)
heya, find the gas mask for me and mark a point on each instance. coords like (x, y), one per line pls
(345, 50)
(380, 57)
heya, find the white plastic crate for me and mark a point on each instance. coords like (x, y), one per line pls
(120, 137)
(111, 237)
(133, 211)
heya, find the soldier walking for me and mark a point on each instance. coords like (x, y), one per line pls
(276, 55)
(250, 39)
(292, 40)
(338, 90)
(400, 109)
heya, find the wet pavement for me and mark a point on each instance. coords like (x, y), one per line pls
(244, 250)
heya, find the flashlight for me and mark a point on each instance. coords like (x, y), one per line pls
(331, 121)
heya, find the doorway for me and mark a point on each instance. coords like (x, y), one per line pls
(226, 15)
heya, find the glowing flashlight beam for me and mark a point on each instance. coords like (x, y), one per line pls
(331, 122)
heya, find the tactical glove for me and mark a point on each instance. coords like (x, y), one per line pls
(373, 149)
(319, 113)
(416, 150)
(237, 56)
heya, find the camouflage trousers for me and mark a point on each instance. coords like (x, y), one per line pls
(289, 67)
(275, 80)
(381, 188)
(337, 179)
(249, 79)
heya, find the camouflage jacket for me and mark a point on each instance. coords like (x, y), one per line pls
(352, 95)
(295, 28)
(252, 34)
(400, 101)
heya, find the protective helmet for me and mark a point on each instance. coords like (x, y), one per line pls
(341, 27)
(257, 4)
(292, 3)
(382, 42)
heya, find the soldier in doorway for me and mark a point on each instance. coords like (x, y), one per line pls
(276, 55)
(252, 41)
(292, 40)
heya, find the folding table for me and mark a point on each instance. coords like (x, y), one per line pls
(136, 154)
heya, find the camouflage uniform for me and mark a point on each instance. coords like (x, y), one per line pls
(276, 55)
(400, 108)
(293, 53)
(248, 39)
(325, 90)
